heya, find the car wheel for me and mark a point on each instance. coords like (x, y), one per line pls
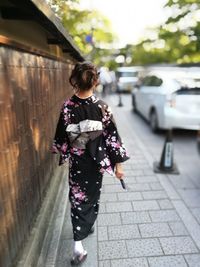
(153, 119)
(134, 104)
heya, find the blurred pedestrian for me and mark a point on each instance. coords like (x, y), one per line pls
(105, 80)
(86, 134)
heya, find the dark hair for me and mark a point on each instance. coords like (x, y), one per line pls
(84, 76)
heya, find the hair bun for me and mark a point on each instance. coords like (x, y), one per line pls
(84, 76)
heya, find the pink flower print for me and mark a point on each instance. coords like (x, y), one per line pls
(54, 149)
(69, 103)
(102, 170)
(102, 163)
(80, 196)
(77, 151)
(109, 170)
(115, 145)
(64, 148)
(66, 119)
(105, 162)
(65, 110)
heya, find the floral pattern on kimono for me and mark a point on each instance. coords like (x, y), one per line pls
(86, 166)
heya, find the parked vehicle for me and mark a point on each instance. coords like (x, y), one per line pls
(169, 99)
(127, 78)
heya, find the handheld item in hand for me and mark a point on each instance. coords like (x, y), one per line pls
(123, 184)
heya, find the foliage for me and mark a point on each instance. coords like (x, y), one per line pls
(83, 23)
(178, 39)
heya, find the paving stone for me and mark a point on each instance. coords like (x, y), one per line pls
(134, 262)
(165, 204)
(155, 230)
(90, 243)
(102, 189)
(130, 179)
(156, 186)
(105, 263)
(112, 249)
(138, 156)
(123, 232)
(102, 233)
(181, 182)
(118, 206)
(164, 216)
(128, 166)
(146, 179)
(140, 166)
(169, 189)
(113, 188)
(178, 228)
(106, 175)
(135, 217)
(189, 221)
(142, 161)
(105, 197)
(67, 232)
(139, 187)
(178, 245)
(109, 180)
(129, 196)
(137, 152)
(64, 252)
(148, 172)
(154, 195)
(102, 208)
(193, 260)
(133, 172)
(145, 205)
(196, 213)
(191, 197)
(109, 219)
(167, 261)
(143, 247)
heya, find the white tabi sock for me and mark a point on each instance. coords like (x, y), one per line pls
(78, 247)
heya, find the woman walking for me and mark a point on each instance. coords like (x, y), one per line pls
(86, 134)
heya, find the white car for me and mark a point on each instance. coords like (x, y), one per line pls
(169, 99)
(127, 78)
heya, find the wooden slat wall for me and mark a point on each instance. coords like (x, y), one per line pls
(32, 90)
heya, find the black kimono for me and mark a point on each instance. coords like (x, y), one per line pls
(86, 134)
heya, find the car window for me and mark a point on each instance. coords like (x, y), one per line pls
(127, 74)
(188, 91)
(151, 81)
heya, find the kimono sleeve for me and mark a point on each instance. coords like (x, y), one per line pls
(114, 145)
(61, 141)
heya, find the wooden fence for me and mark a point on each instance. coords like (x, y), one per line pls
(32, 89)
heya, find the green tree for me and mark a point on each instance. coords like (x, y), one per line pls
(178, 39)
(83, 23)
(181, 31)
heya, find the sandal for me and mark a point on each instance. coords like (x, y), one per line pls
(91, 230)
(79, 258)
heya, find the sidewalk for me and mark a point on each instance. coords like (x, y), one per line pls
(150, 225)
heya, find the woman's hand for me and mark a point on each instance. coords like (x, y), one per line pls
(119, 173)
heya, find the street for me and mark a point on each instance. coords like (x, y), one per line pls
(156, 222)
